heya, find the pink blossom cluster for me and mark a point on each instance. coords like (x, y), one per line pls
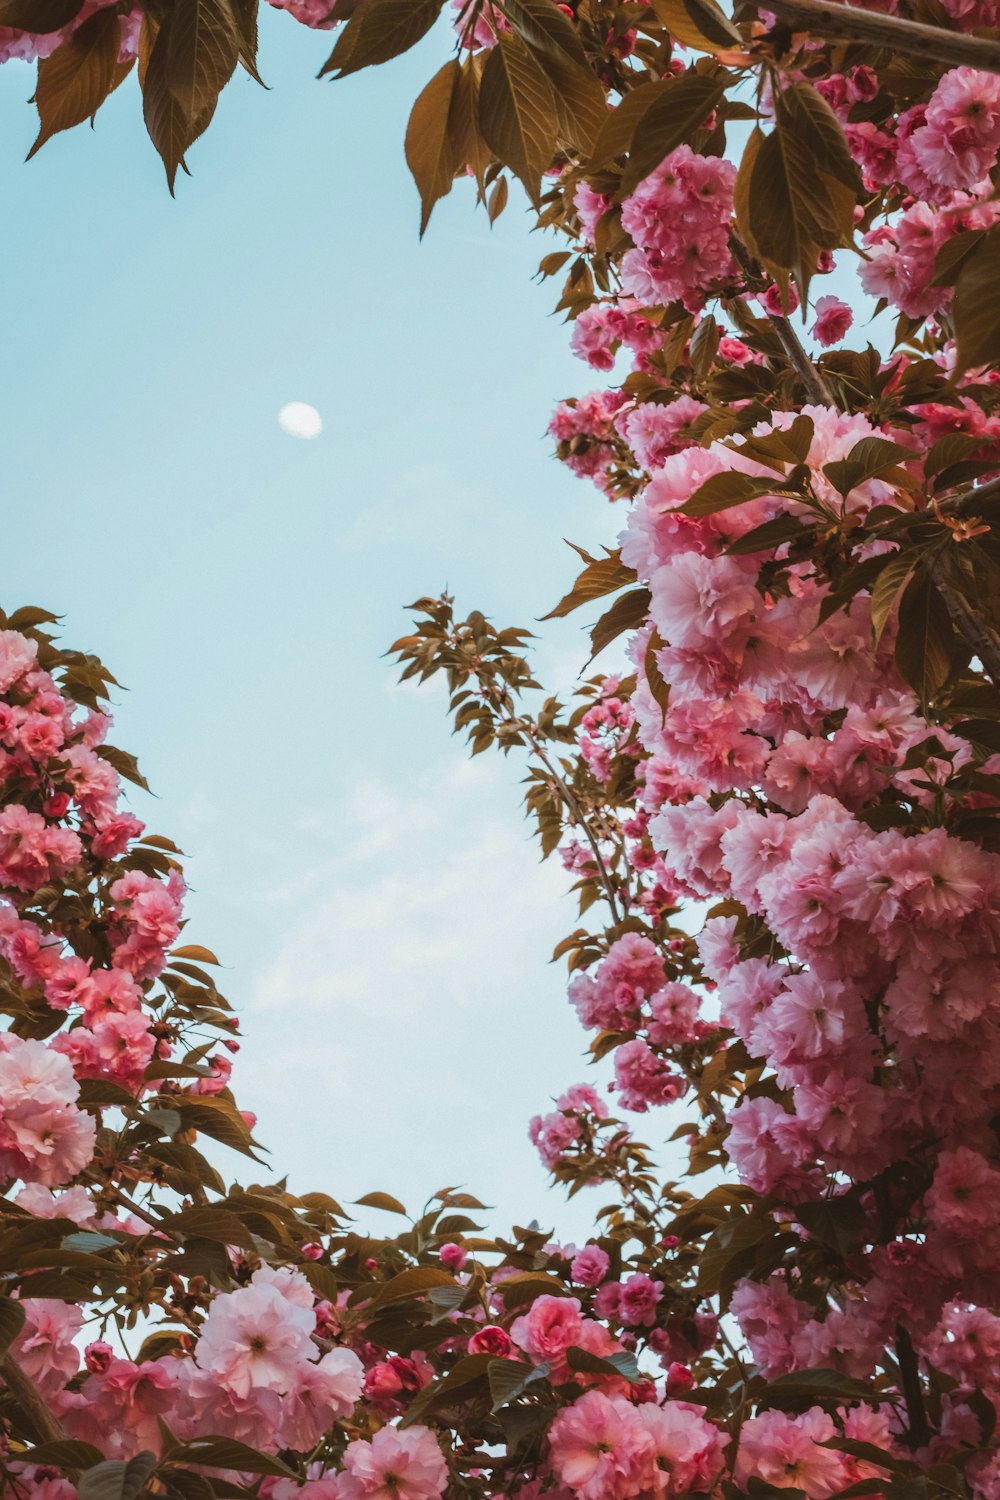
(679, 220)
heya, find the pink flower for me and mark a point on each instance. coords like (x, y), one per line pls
(255, 1338)
(550, 1327)
(18, 655)
(395, 1465)
(833, 319)
(687, 1450)
(599, 1448)
(491, 1339)
(590, 1266)
(453, 1256)
(639, 1298)
(964, 1197)
(787, 1452)
(44, 1348)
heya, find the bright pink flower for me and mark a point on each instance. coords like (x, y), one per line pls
(395, 1465)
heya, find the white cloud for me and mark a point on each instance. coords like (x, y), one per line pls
(409, 1024)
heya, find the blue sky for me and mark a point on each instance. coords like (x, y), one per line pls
(376, 900)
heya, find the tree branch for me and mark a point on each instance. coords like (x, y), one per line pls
(913, 1391)
(848, 23)
(811, 378)
(46, 1427)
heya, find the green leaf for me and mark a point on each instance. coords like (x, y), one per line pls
(76, 79)
(725, 490)
(867, 459)
(627, 613)
(431, 152)
(116, 1479)
(768, 536)
(39, 17)
(216, 1117)
(173, 130)
(227, 1453)
(671, 120)
(378, 31)
(384, 1201)
(202, 51)
(887, 587)
(976, 306)
(546, 30)
(510, 1378)
(804, 1388)
(699, 23)
(622, 1364)
(66, 1454)
(470, 1370)
(615, 136)
(924, 642)
(797, 187)
(602, 575)
(11, 1322)
(413, 1282)
(517, 112)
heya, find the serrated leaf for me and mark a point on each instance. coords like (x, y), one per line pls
(615, 136)
(510, 1378)
(797, 187)
(468, 1371)
(202, 52)
(378, 31)
(671, 119)
(546, 29)
(196, 953)
(171, 128)
(76, 79)
(227, 1453)
(976, 306)
(924, 641)
(603, 575)
(431, 152)
(384, 1201)
(517, 112)
(622, 1364)
(658, 685)
(723, 491)
(117, 1479)
(627, 613)
(887, 587)
(868, 458)
(698, 23)
(414, 1282)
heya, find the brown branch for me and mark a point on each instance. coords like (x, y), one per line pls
(46, 1427)
(965, 504)
(913, 1392)
(848, 23)
(811, 378)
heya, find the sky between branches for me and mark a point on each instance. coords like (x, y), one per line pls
(379, 907)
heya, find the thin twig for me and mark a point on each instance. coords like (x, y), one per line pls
(848, 23)
(811, 378)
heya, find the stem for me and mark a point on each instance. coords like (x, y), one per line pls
(811, 378)
(913, 1391)
(46, 1426)
(848, 23)
(575, 808)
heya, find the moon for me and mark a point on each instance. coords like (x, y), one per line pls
(300, 420)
